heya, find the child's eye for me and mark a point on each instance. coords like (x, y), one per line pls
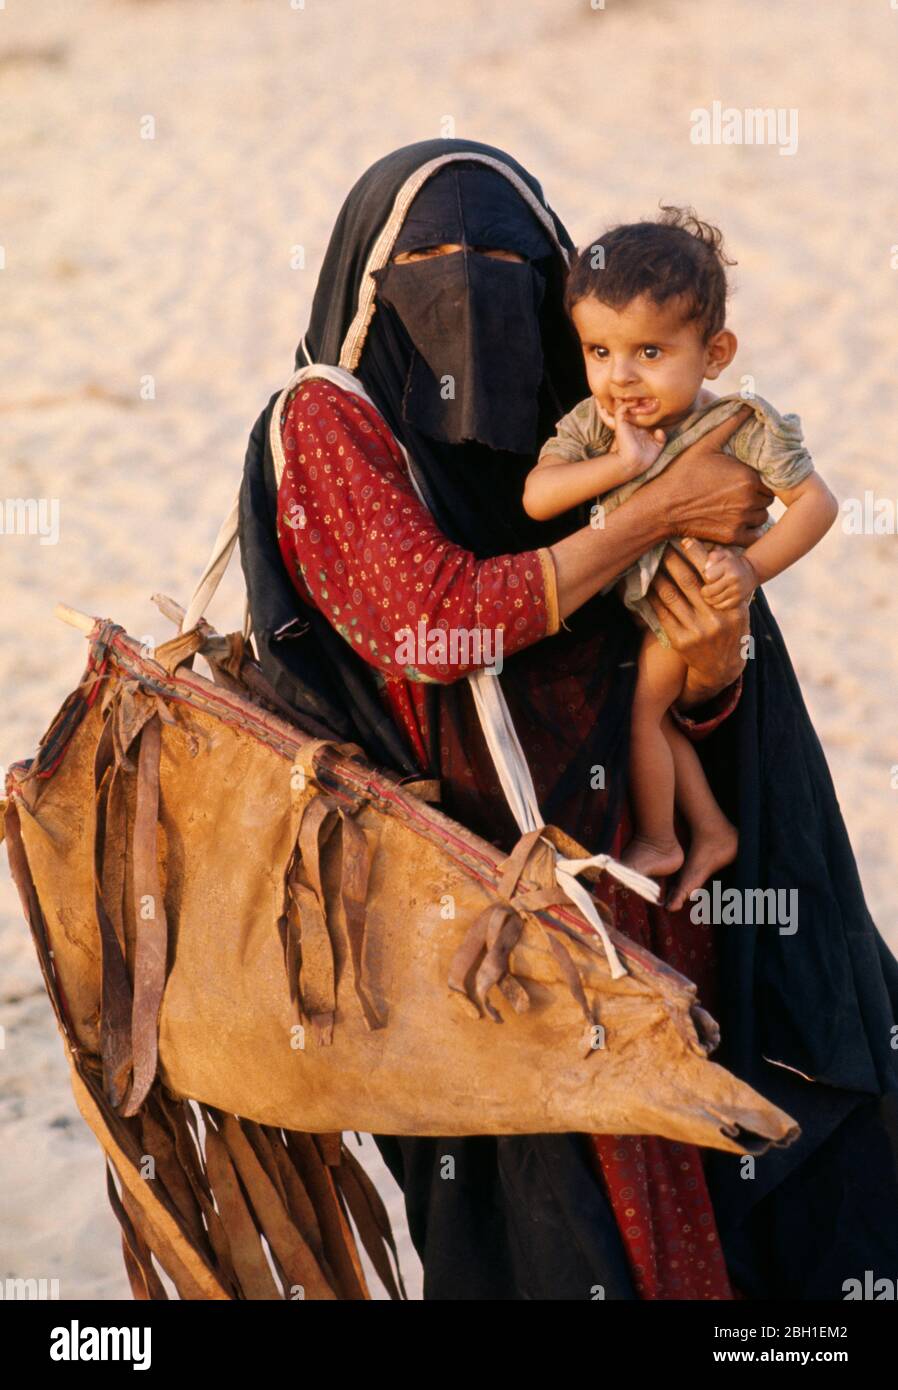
(652, 353)
(600, 353)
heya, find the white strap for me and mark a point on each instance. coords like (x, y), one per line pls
(505, 749)
(211, 576)
(514, 775)
(223, 548)
(489, 700)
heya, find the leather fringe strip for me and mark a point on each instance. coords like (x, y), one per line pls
(310, 928)
(211, 1205)
(482, 960)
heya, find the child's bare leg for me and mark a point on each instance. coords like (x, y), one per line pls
(713, 839)
(654, 849)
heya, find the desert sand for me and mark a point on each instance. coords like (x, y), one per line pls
(153, 297)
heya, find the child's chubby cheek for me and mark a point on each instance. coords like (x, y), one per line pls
(597, 380)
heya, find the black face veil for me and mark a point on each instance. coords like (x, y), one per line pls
(472, 318)
(471, 359)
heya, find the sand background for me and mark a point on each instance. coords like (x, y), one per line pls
(170, 258)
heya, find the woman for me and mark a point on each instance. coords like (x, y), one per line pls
(441, 292)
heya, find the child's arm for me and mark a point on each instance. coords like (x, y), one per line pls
(556, 484)
(811, 511)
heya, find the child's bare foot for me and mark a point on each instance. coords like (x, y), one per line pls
(654, 858)
(710, 850)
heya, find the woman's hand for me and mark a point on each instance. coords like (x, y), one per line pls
(710, 494)
(710, 640)
(703, 493)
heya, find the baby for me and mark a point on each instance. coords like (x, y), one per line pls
(648, 303)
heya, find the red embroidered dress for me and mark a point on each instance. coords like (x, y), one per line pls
(362, 548)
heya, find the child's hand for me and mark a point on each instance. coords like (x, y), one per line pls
(730, 579)
(636, 447)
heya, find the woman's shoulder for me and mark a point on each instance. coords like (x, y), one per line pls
(321, 406)
(315, 395)
(321, 419)
(319, 400)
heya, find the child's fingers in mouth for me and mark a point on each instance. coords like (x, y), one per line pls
(639, 405)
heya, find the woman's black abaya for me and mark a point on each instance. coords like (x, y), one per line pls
(807, 1017)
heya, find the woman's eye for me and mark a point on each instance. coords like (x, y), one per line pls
(422, 253)
(498, 254)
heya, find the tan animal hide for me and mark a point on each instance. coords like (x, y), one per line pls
(231, 911)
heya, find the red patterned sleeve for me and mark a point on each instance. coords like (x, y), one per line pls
(361, 547)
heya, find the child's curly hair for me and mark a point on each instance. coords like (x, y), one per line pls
(678, 255)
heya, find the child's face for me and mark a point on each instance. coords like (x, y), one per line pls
(648, 355)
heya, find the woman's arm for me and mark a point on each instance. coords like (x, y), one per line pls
(703, 493)
(369, 554)
(363, 549)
